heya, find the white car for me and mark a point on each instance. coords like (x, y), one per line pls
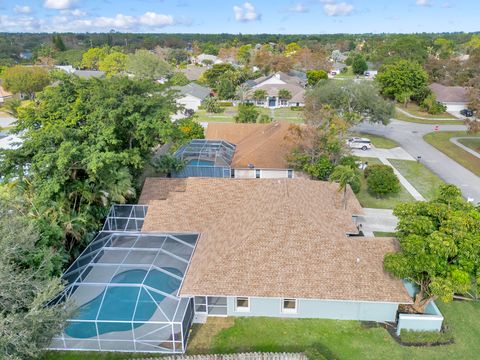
(359, 143)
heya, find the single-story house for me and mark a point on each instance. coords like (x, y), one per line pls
(337, 68)
(261, 149)
(4, 94)
(272, 85)
(276, 248)
(192, 95)
(455, 98)
(204, 59)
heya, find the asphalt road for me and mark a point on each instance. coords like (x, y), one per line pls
(410, 137)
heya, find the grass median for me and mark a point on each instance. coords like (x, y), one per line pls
(441, 141)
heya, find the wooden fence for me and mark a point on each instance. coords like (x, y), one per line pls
(245, 356)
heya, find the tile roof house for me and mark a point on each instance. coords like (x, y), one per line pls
(272, 85)
(455, 98)
(276, 248)
(261, 149)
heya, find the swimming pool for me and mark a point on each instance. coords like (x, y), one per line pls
(123, 304)
(201, 163)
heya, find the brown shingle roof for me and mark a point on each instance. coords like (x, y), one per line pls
(272, 238)
(297, 92)
(449, 94)
(263, 145)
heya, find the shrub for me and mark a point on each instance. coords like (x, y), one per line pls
(349, 161)
(247, 113)
(321, 169)
(296, 108)
(382, 181)
(426, 337)
(376, 167)
(264, 119)
(212, 105)
(225, 103)
(314, 354)
(432, 106)
(166, 164)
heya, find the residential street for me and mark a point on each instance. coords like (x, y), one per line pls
(410, 137)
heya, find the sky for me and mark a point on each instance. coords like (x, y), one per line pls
(239, 16)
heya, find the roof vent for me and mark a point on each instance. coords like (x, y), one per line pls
(358, 260)
(251, 166)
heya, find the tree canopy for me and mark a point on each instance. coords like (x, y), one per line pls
(145, 65)
(25, 80)
(439, 247)
(84, 143)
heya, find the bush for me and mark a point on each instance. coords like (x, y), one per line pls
(314, 354)
(247, 113)
(376, 167)
(211, 105)
(426, 337)
(432, 106)
(167, 164)
(296, 108)
(321, 169)
(349, 161)
(264, 119)
(225, 103)
(381, 180)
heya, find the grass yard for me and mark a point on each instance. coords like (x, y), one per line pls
(342, 340)
(371, 201)
(441, 141)
(384, 234)
(229, 113)
(416, 110)
(403, 117)
(472, 143)
(422, 179)
(377, 141)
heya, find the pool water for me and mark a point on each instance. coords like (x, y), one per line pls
(200, 163)
(119, 303)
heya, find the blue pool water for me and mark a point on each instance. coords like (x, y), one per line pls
(200, 163)
(119, 303)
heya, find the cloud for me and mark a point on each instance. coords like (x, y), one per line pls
(154, 19)
(246, 12)
(18, 9)
(58, 4)
(298, 8)
(332, 8)
(423, 3)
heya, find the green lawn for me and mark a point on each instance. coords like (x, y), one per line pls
(441, 140)
(229, 113)
(472, 143)
(403, 117)
(377, 141)
(422, 179)
(338, 339)
(371, 201)
(384, 234)
(416, 110)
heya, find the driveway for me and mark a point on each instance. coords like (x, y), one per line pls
(396, 153)
(410, 137)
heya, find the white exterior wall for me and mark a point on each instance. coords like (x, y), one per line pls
(190, 102)
(455, 107)
(264, 173)
(274, 80)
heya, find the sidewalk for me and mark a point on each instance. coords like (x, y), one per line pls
(420, 117)
(417, 196)
(466, 148)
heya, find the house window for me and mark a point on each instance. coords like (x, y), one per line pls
(242, 304)
(283, 102)
(232, 173)
(260, 102)
(257, 173)
(289, 306)
(290, 174)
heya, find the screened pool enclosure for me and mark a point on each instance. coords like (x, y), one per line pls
(206, 158)
(125, 286)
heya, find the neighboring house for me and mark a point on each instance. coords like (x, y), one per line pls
(26, 55)
(261, 149)
(275, 248)
(337, 68)
(455, 98)
(192, 95)
(272, 85)
(203, 58)
(193, 72)
(4, 95)
(88, 74)
(69, 69)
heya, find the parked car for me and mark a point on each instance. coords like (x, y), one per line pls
(359, 143)
(466, 112)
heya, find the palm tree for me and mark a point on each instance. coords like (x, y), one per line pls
(284, 94)
(260, 95)
(242, 92)
(344, 175)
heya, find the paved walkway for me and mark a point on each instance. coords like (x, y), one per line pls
(6, 121)
(466, 148)
(420, 117)
(377, 220)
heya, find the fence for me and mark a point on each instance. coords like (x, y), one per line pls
(246, 356)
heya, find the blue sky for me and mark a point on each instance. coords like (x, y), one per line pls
(239, 16)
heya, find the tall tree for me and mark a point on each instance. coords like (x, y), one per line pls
(113, 64)
(439, 247)
(92, 57)
(402, 77)
(25, 80)
(146, 65)
(84, 143)
(344, 175)
(26, 325)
